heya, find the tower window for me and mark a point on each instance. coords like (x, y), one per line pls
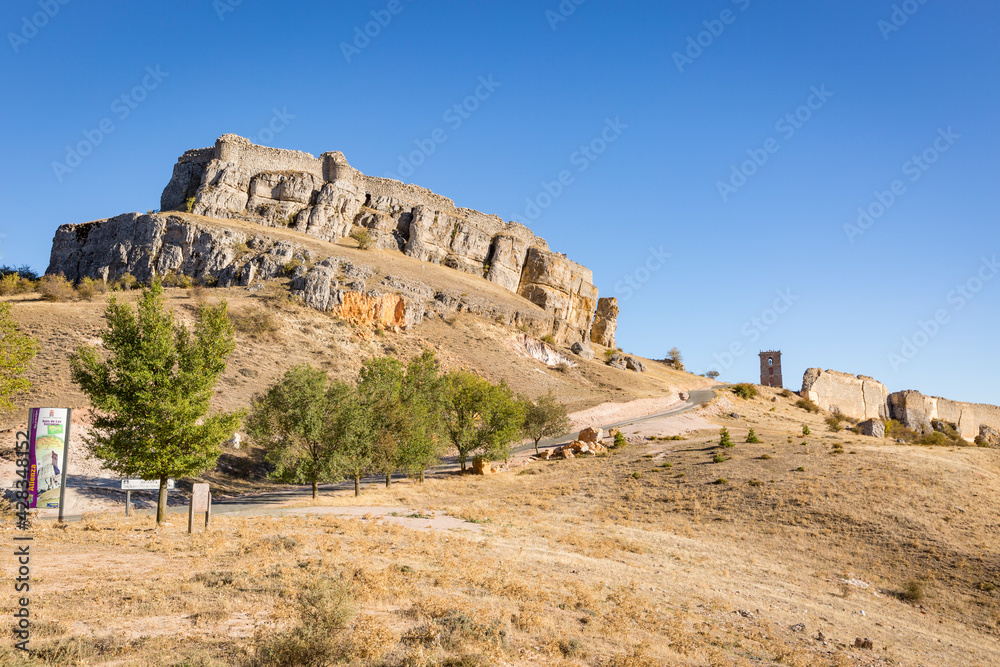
(770, 361)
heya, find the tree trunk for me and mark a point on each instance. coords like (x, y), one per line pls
(536, 446)
(315, 489)
(421, 475)
(161, 502)
(388, 480)
(357, 485)
(461, 460)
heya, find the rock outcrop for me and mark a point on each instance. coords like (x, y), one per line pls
(162, 244)
(864, 398)
(605, 322)
(326, 198)
(916, 411)
(855, 396)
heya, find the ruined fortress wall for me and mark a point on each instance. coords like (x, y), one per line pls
(255, 159)
(856, 396)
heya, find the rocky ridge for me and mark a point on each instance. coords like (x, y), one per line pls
(327, 199)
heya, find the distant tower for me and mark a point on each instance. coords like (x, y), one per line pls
(770, 368)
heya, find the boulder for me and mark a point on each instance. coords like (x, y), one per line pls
(856, 396)
(617, 361)
(582, 350)
(590, 434)
(544, 454)
(633, 364)
(605, 322)
(988, 437)
(872, 427)
(480, 466)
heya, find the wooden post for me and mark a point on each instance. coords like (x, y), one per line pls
(201, 501)
(62, 480)
(208, 512)
(191, 517)
(128, 502)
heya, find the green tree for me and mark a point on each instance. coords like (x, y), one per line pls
(481, 418)
(17, 349)
(674, 359)
(290, 422)
(350, 428)
(423, 398)
(151, 392)
(544, 418)
(380, 392)
(724, 439)
(752, 437)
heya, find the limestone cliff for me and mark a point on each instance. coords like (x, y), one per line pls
(856, 396)
(326, 198)
(862, 397)
(162, 244)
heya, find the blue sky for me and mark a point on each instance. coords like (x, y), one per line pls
(670, 119)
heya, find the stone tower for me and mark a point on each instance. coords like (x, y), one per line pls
(770, 368)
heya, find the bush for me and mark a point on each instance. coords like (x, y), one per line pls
(620, 440)
(896, 431)
(56, 288)
(718, 458)
(289, 268)
(913, 591)
(833, 421)
(15, 283)
(548, 338)
(721, 480)
(177, 280)
(807, 405)
(325, 609)
(363, 238)
(256, 322)
(805, 429)
(89, 289)
(724, 438)
(752, 438)
(24, 271)
(126, 281)
(745, 390)
(189, 204)
(786, 393)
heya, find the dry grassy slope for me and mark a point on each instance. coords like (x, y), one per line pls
(303, 335)
(636, 559)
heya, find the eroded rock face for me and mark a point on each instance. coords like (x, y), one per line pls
(916, 411)
(856, 396)
(166, 243)
(605, 322)
(326, 198)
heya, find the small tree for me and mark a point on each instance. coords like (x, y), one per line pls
(674, 359)
(480, 418)
(289, 422)
(752, 437)
(17, 349)
(544, 418)
(805, 429)
(151, 393)
(712, 375)
(724, 439)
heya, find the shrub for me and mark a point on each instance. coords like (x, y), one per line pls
(786, 393)
(637, 475)
(126, 281)
(755, 482)
(177, 280)
(24, 271)
(548, 338)
(608, 354)
(55, 288)
(721, 480)
(833, 421)
(718, 458)
(745, 390)
(807, 405)
(256, 322)
(563, 367)
(800, 469)
(325, 610)
(896, 431)
(189, 204)
(805, 429)
(15, 283)
(752, 437)
(620, 440)
(363, 238)
(913, 591)
(289, 268)
(724, 438)
(88, 289)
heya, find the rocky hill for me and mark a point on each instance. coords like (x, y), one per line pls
(326, 199)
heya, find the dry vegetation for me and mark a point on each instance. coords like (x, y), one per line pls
(636, 558)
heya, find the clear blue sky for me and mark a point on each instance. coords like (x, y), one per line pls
(681, 122)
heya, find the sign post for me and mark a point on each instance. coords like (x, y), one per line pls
(131, 484)
(201, 501)
(48, 438)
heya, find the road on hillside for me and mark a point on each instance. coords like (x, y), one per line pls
(256, 504)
